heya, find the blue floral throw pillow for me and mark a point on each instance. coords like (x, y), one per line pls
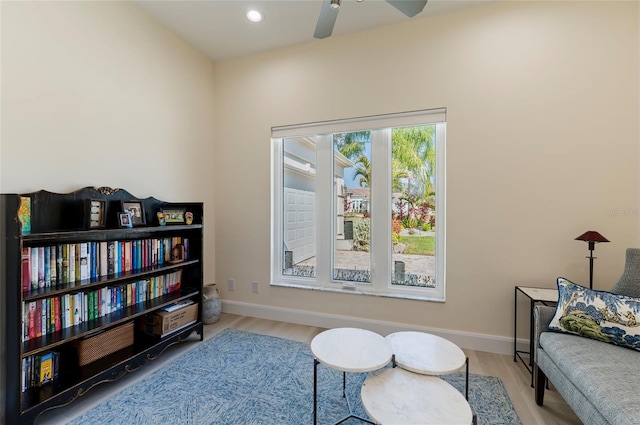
(598, 315)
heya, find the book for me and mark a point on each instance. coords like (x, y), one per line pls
(65, 263)
(84, 261)
(34, 268)
(26, 269)
(46, 369)
(46, 265)
(127, 256)
(31, 325)
(59, 264)
(77, 262)
(104, 259)
(111, 257)
(72, 262)
(93, 260)
(53, 268)
(41, 282)
(57, 324)
(77, 306)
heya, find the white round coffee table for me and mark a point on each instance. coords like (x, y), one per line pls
(425, 353)
(348, 350)
(398, 396)
(428, 354)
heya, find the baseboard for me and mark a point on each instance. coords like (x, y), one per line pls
(467, 340)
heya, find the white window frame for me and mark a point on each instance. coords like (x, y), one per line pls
(381, 252)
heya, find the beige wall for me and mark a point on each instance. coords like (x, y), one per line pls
(542, 135)
(100, 94)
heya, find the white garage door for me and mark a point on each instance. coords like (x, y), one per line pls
(300, 224)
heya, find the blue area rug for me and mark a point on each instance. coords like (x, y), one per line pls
(242, 378)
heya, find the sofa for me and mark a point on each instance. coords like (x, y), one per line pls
(599, 380)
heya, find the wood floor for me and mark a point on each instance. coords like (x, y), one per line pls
(515, 377)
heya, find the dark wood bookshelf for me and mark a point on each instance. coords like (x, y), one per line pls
(62, 219)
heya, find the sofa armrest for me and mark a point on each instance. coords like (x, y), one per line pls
(542, 315)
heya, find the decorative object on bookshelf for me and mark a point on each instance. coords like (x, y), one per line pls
(136, 209)
(174, 215)
(177, 254)
(104, 190)
(124, 219)
(95, 211)
(24, 214)
(161, 218)
(189, 217)
(211, 304)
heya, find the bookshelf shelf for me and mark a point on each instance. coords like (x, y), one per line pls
(77, 382)
(85, 284)
(114, 278)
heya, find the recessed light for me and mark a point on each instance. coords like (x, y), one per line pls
(254, 15)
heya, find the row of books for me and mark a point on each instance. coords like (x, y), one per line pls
(49, 266)
(40, 369)
(48, 315)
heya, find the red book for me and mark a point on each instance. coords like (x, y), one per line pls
(26, 269)
(32, 320)
(58, 317)
(122, 257)
(38, 318)
(144, 253)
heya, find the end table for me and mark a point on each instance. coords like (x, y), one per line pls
(536, 295)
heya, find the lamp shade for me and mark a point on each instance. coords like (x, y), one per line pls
(592, 236)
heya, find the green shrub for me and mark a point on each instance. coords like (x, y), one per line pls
(361, 235)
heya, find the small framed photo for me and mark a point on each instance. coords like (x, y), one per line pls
(174, 215)
(124, 219)
(95, 213)
(136, 210)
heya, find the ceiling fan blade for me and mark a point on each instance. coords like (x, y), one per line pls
(409, 7)
(326, 20)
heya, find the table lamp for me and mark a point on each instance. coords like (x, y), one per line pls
(591, 237)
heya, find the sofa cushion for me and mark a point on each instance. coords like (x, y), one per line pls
(598, 315)
(605, 374)
(629, 283)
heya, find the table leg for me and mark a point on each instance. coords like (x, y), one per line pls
(515, 325)
(531, 331)
(315, 391)
(466, 384)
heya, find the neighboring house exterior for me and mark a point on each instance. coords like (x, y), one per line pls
(300, 197)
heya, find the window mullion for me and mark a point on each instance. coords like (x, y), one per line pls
(381, 208)
(324, 207)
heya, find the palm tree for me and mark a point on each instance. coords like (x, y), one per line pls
(414, 150)
(351, 144)
(363, 170)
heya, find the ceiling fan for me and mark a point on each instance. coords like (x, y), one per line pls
(330, 8)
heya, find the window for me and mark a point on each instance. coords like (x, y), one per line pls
(358, 205)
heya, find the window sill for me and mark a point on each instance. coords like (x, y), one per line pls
(359, 291)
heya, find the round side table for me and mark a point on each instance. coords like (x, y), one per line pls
(398, 396)
(428, 354)
(348, 350)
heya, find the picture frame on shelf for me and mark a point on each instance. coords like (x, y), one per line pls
(95, 212)
(136, 211)
(124, 219)
(174, 215)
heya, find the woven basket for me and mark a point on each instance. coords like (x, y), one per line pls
(96, 347)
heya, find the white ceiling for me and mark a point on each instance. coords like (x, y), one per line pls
(220, 29)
